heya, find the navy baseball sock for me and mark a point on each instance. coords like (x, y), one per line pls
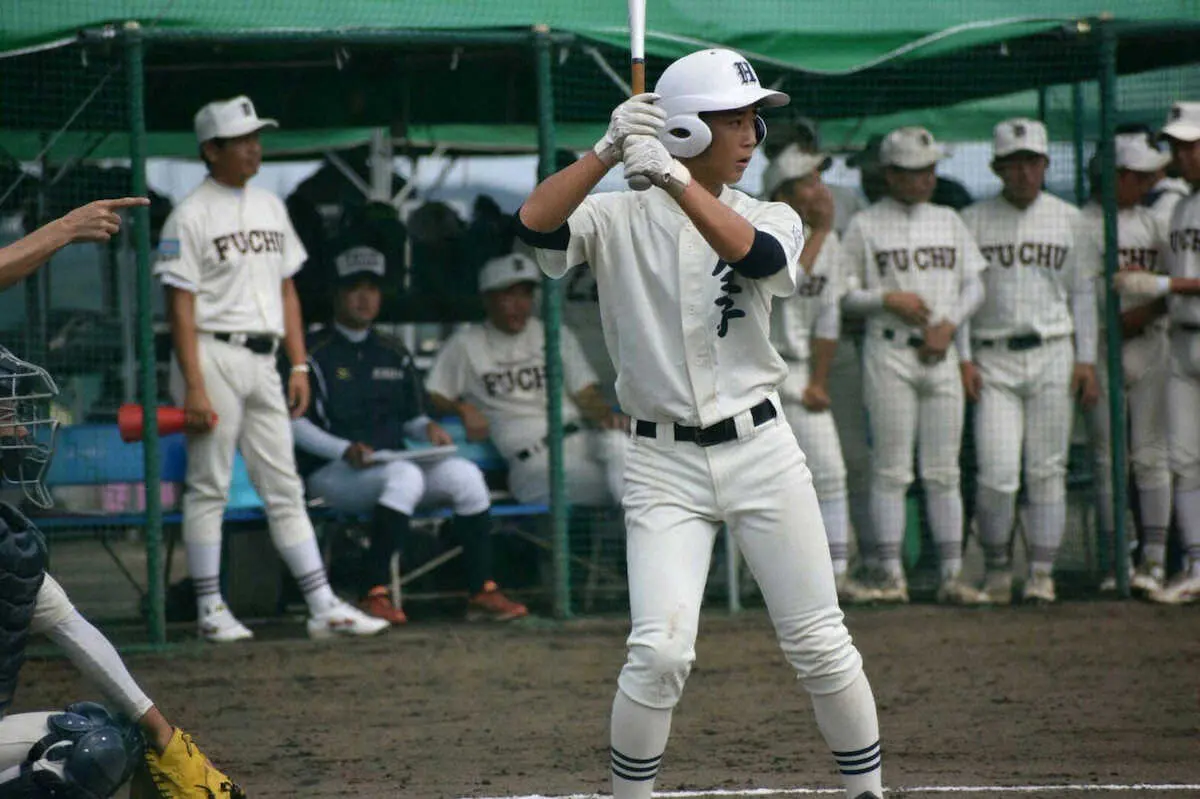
(475, 532)
(639, 738)
(389, 531)
(848, 722)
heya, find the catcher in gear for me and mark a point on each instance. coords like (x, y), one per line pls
(86, 751)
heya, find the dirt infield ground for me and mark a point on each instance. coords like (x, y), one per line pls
(1079, 693)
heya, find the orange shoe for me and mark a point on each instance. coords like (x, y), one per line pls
(491, 605)
(378, 603)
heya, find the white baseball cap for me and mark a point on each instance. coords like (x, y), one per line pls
(791, 163)
(358, 261)
(228, 119)
(910, 148)
(507, 270)
(1020, 135)
(1137, 154)
(1183, 122)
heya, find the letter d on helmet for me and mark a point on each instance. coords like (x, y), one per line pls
(709, 80)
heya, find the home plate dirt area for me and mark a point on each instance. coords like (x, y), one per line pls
(1082, 697)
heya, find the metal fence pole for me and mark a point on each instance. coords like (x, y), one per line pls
(552, 316)
(1107, 65)
(134, 52)
(1077, 111)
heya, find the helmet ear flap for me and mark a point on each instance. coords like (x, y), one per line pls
(760, 129)
(686, 135)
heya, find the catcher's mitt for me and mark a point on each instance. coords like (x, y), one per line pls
(181, 772)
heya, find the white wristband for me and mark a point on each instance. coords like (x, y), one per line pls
(302, 368)
(1164, 285)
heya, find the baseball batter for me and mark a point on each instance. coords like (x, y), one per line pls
(1025, 371)
(804, 330)
(687, 271)
(1145, 357)
(494, 377)
(914, 270)
(226, 258)
(1181, 286)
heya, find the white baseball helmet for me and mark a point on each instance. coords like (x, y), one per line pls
(708, 80)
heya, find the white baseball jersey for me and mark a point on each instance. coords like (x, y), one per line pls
(812, 312)
(1183, 257)
(231, 248)
(1141, 240)
(688, 335)
(1039, 257)
(505, 377)
(924, 249)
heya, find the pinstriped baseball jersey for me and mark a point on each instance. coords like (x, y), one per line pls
(819, 291)
(231, 248)
(1183, 257)
(1037, 257)
(688, 335)
(924, 249)
(1141, 243)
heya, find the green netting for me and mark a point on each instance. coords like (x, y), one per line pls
(463, 78)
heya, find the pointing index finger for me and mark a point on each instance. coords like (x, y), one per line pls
(124, 202)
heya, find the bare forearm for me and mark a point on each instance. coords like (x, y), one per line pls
(823, 350)
(592, 404)
(1135, 320)
(725, 230)
(1187, 286)
(812, 248)
(293, 325)
(556, 197)
(445, 406)
(182, 305)
(22, 258)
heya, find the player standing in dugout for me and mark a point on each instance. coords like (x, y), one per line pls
(226, 258)
(686, 272)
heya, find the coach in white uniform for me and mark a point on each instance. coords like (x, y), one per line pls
(1025, 371)
(1181, 285)
(804, 330)
(687, 271)
(494, 376)
(226, 257)
(915, 271)
(1145, 356)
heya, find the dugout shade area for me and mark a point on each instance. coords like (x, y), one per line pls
(89, 89)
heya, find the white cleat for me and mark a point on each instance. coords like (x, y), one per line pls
(891, 589)
(1148, 579)
(1039, 588)
(998, 587)
(220, 626)
(852, 592)
(953, 591)
(343, 619)
(1183, 590)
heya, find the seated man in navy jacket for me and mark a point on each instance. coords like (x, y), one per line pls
(368, 397)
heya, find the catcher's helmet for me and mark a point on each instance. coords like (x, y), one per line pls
(27, 428)
(708, 80)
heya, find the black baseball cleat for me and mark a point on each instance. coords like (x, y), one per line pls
(866, 795)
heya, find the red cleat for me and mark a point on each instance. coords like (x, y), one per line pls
(378, 603)
(491, 605)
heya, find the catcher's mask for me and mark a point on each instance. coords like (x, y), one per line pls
(27, 430)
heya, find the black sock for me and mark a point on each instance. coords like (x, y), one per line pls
(389, 529)
(475, 534)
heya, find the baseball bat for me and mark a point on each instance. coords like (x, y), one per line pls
(637, 67)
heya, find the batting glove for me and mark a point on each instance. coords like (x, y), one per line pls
(646, 155)
(637, 116)
(1141, 284)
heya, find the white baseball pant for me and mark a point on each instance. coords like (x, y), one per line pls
(594, 462)
(1183, 421)
(247, 395)
(914, 406)
(850, 419)
(18, 733)
(1145, 390)
(402, 485)
(1025, 410)
(676, 495)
